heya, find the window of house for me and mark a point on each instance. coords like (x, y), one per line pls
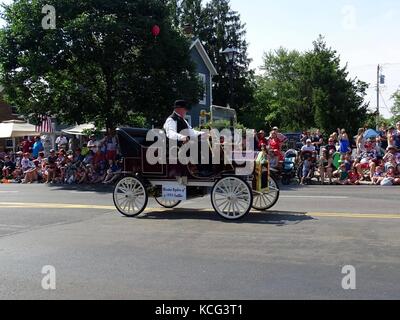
(203, 79)
(9, 144)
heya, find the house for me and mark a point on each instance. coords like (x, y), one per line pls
(206, 72)
(6, 113)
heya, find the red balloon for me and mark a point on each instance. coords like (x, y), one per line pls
(155, 30)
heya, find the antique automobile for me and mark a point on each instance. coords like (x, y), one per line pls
(233, 192)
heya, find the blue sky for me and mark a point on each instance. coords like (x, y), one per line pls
(363, 32)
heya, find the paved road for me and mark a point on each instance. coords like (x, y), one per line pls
(296, 251)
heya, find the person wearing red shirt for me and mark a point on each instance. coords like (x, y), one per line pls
(262, 140)
(98, 158)
(274, 143)
(25, 145)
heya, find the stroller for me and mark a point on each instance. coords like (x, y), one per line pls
(289, 167)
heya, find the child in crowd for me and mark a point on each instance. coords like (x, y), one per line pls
(354, 177)
(343, 175)
(379, 174)
(389, 177)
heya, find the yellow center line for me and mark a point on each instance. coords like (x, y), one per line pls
(354, 215)
(18, 205)
(53, 206)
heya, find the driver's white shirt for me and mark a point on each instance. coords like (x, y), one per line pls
(170, 128)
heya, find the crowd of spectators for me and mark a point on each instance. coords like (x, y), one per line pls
(371, 157)
(71, 162)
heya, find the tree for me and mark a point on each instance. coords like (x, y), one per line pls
(192, 15)
(100, 64)
(371, 121)
(304, 90)
(277, 98)
(223, 28)
(218, 27)
(396, 106)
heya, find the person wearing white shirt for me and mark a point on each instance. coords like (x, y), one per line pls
(308, 147)
(92, 144)
(305, 153)
(176, 123)
(62, 142)
(178, 129)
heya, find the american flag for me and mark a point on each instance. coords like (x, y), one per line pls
(45, 125)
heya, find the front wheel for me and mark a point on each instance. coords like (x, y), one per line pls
(231, 198)
(266, 200)
(130, 196)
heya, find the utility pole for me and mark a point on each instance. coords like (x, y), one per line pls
(377, 96)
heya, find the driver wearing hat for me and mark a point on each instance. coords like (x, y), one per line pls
(176, 123)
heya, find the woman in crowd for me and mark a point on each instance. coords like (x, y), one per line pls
(274, 143)
(325, 166)
(61, 165)
(51, 167)
(261, 139)
(8, 167)
(360, 141)
(344, 141)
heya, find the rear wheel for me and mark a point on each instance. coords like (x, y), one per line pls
(266, 200)
(232, 198)
(130, 196)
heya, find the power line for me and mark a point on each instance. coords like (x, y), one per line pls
(365, 66)
(384, 102)
(391, 64)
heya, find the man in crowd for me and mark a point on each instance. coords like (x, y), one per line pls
(280, 136)
(307, 153)
(62, 142)
(397, 135)
(73, 143)
(368, 160)
(37, 147)
(317, 140)
(93, 144)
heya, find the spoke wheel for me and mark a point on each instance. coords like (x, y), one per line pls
(169, 204)
(232, 198)
(266, 200)
(130, 196)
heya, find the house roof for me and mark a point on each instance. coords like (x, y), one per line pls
(200, 48)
